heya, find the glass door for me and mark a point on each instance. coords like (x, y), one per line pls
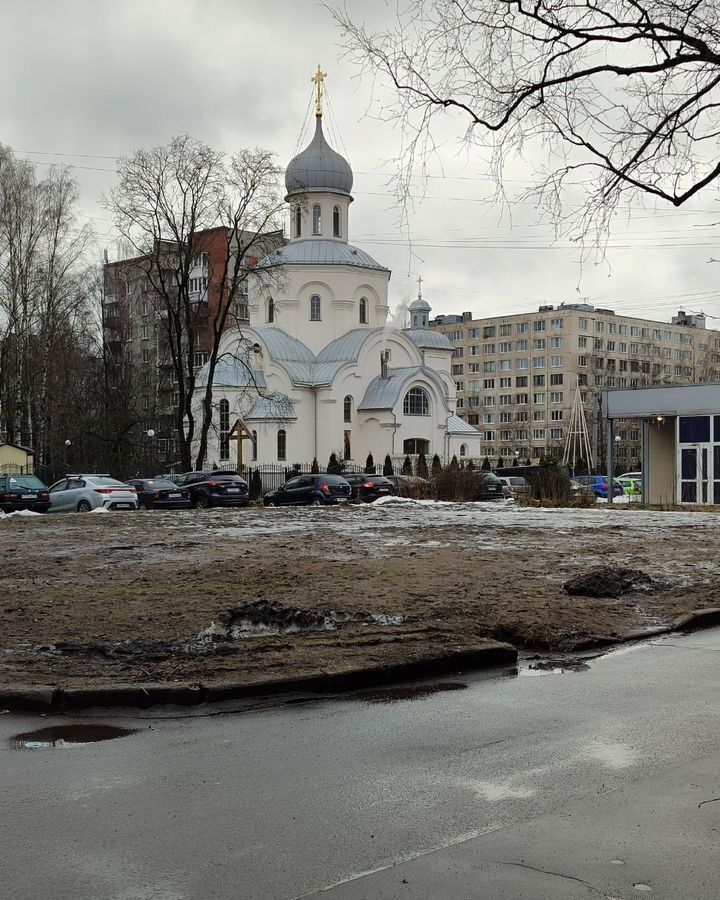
(689, 475)
(698, 465)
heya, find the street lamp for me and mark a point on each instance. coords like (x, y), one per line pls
(150, 435)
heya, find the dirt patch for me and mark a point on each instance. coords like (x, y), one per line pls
(610, 582)
(292, 592)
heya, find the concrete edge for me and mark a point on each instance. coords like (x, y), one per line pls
(59, 699)
(688, 622)
(47, 698)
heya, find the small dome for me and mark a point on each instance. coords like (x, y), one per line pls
(420, 305)
(318, 168)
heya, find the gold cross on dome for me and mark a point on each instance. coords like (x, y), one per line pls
(318, 79)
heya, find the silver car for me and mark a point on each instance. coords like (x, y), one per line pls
(81, 493)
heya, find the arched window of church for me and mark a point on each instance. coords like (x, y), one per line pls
(363, 311)
(314, 308)
(317, 219)
(416, 446)
(254, 445)
(336, 221)
(282, 444)
(298, 221)
(224, 430)
(463, 450)
(347, 409)
(417, 402)
(270, 310)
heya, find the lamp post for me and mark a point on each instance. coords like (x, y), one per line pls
(151, 445)
(68, 445)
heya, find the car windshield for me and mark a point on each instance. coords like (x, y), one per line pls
(107, 482)
(25, 481)
(155, 485)
(224, 476)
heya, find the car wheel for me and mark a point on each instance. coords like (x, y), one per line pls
(270, 505)
(83, 506)
(143, 507)
(201, 502)
(315, 502)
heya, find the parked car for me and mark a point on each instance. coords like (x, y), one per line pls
(410, 486)
(598, 484)
(632, 485)
(513, 486)
(81, 493)
(310, 490)
(369, 487)
(158, 493)
(18, 492)
(214, 488)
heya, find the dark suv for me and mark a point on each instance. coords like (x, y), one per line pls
(19, 492)
(369, 487)
(214, 488)
(310, 490)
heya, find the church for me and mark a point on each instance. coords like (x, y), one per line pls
(319, 370)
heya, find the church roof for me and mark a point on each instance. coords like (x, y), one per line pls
(318, 168)
(384, 393)
(319, 252)
(347, 347)
(456, 425)
(231, 371)
(282, 346)
(276, 407)
(425, 339)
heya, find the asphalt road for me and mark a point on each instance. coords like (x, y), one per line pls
(577, 785)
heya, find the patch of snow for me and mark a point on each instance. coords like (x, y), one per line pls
(19, 512)
(100, 509)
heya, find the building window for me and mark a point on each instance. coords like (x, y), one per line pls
(347, 409)
(363, 311)
(282, 444)
(298, 221)
(270, 316)
(224, 430)
(463, 450)
(417, 403)
(416, 445)
(347, 446)
(254, 445)
(336, 221)
(314, 308)
(317, 219)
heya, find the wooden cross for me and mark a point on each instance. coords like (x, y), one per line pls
(240, 433)
(318, 79)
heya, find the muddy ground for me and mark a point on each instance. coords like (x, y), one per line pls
(132, 596)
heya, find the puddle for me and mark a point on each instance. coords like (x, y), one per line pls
(412, 692)
(68, 736)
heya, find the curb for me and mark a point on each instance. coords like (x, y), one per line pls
(57, 699)
(696, 620)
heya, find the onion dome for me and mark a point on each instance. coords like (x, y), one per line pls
(318, 168)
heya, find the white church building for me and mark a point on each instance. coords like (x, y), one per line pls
(318, 370)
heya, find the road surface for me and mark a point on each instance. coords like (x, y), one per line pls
(565, 786)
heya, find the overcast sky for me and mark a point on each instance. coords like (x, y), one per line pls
(85, 81)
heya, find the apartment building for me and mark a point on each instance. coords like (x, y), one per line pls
(135, 327)
(517, 375)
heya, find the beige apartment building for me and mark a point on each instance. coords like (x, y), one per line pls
(517, 375)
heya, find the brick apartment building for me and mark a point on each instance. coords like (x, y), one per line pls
(136, 341)
(517, 375)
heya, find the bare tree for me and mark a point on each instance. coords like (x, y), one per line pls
(45, 324)
(168, 201)
(623, 95)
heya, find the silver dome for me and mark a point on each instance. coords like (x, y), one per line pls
(318, 168)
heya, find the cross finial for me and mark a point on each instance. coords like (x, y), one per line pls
(318, 79)
(419, 287)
